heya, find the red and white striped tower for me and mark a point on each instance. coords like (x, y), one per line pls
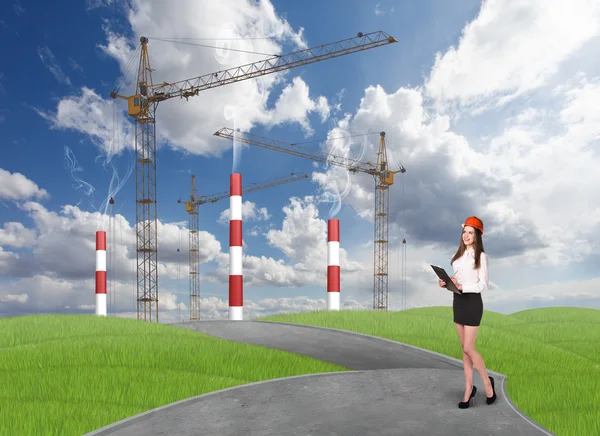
(101, 273)
(333, 264)
(236, 279)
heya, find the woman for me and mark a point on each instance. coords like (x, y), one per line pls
(470, 264)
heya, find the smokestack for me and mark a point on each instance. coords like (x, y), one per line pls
(333, 264)
(101, 273)
(236, 279)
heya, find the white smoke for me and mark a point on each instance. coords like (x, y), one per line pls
(79, 184)
(116, 182)
(115, 147)
(232, 49)
(110, 150)
(341, 145)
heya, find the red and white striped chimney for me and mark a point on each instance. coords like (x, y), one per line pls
(101, 273)
(236, 279)
(333, 264)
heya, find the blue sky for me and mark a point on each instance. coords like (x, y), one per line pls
(54, 53)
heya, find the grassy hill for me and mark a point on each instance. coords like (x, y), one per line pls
(71, 374)
(551, 355)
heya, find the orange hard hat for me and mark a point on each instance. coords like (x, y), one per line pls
(473, 221)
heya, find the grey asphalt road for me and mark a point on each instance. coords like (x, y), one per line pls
(395, 389)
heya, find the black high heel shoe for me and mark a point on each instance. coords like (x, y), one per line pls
(470, 401)
(491, 399)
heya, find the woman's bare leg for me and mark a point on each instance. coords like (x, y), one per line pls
(467, 363)
(470, 333)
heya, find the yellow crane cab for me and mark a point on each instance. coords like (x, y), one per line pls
(137, 105)
(388, 177)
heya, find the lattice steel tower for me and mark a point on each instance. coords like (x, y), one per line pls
(383, 180)
(191, 207)
(143, 111)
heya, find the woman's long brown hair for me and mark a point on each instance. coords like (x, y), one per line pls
(478, 246)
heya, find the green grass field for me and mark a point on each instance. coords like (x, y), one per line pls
(71, 374)
(551, 355)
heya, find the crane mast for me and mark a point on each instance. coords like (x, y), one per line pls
(191, 208)
(384, 178)
(143, 110)
(142, 107)
(380, 239)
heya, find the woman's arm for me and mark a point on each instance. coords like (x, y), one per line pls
(482, 273)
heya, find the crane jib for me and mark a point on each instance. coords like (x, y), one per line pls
(352, 165)
(191, 87)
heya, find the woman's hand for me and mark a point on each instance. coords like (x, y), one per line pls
(458, 285)
(442, 283)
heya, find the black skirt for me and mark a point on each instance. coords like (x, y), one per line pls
(468, 309)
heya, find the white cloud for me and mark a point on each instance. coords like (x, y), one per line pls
(534, 184)
(303, 239)
(15, 186)
(74, 65)
(10, 298)
(40, 293)
(262, 270)
(95, 4)
(381, 12)
(555, 177)
(215, 308)
(16, 235)
(512, 47)
(323, 108)
(43, 294)
(68, 285)
(581, 113)
(294, 105)
(575, 290)
(90, 114)
(188, 125)
(250, 212)
(50, 62)
(8, 260)
(72, 233)
(52, 282)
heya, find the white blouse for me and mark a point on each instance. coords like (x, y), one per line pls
(472, 280)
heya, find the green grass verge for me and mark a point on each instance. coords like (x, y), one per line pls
(551, 355)
(71, 374)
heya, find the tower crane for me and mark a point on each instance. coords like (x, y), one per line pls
(383, 176)
(142, 107)
(191, 208)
